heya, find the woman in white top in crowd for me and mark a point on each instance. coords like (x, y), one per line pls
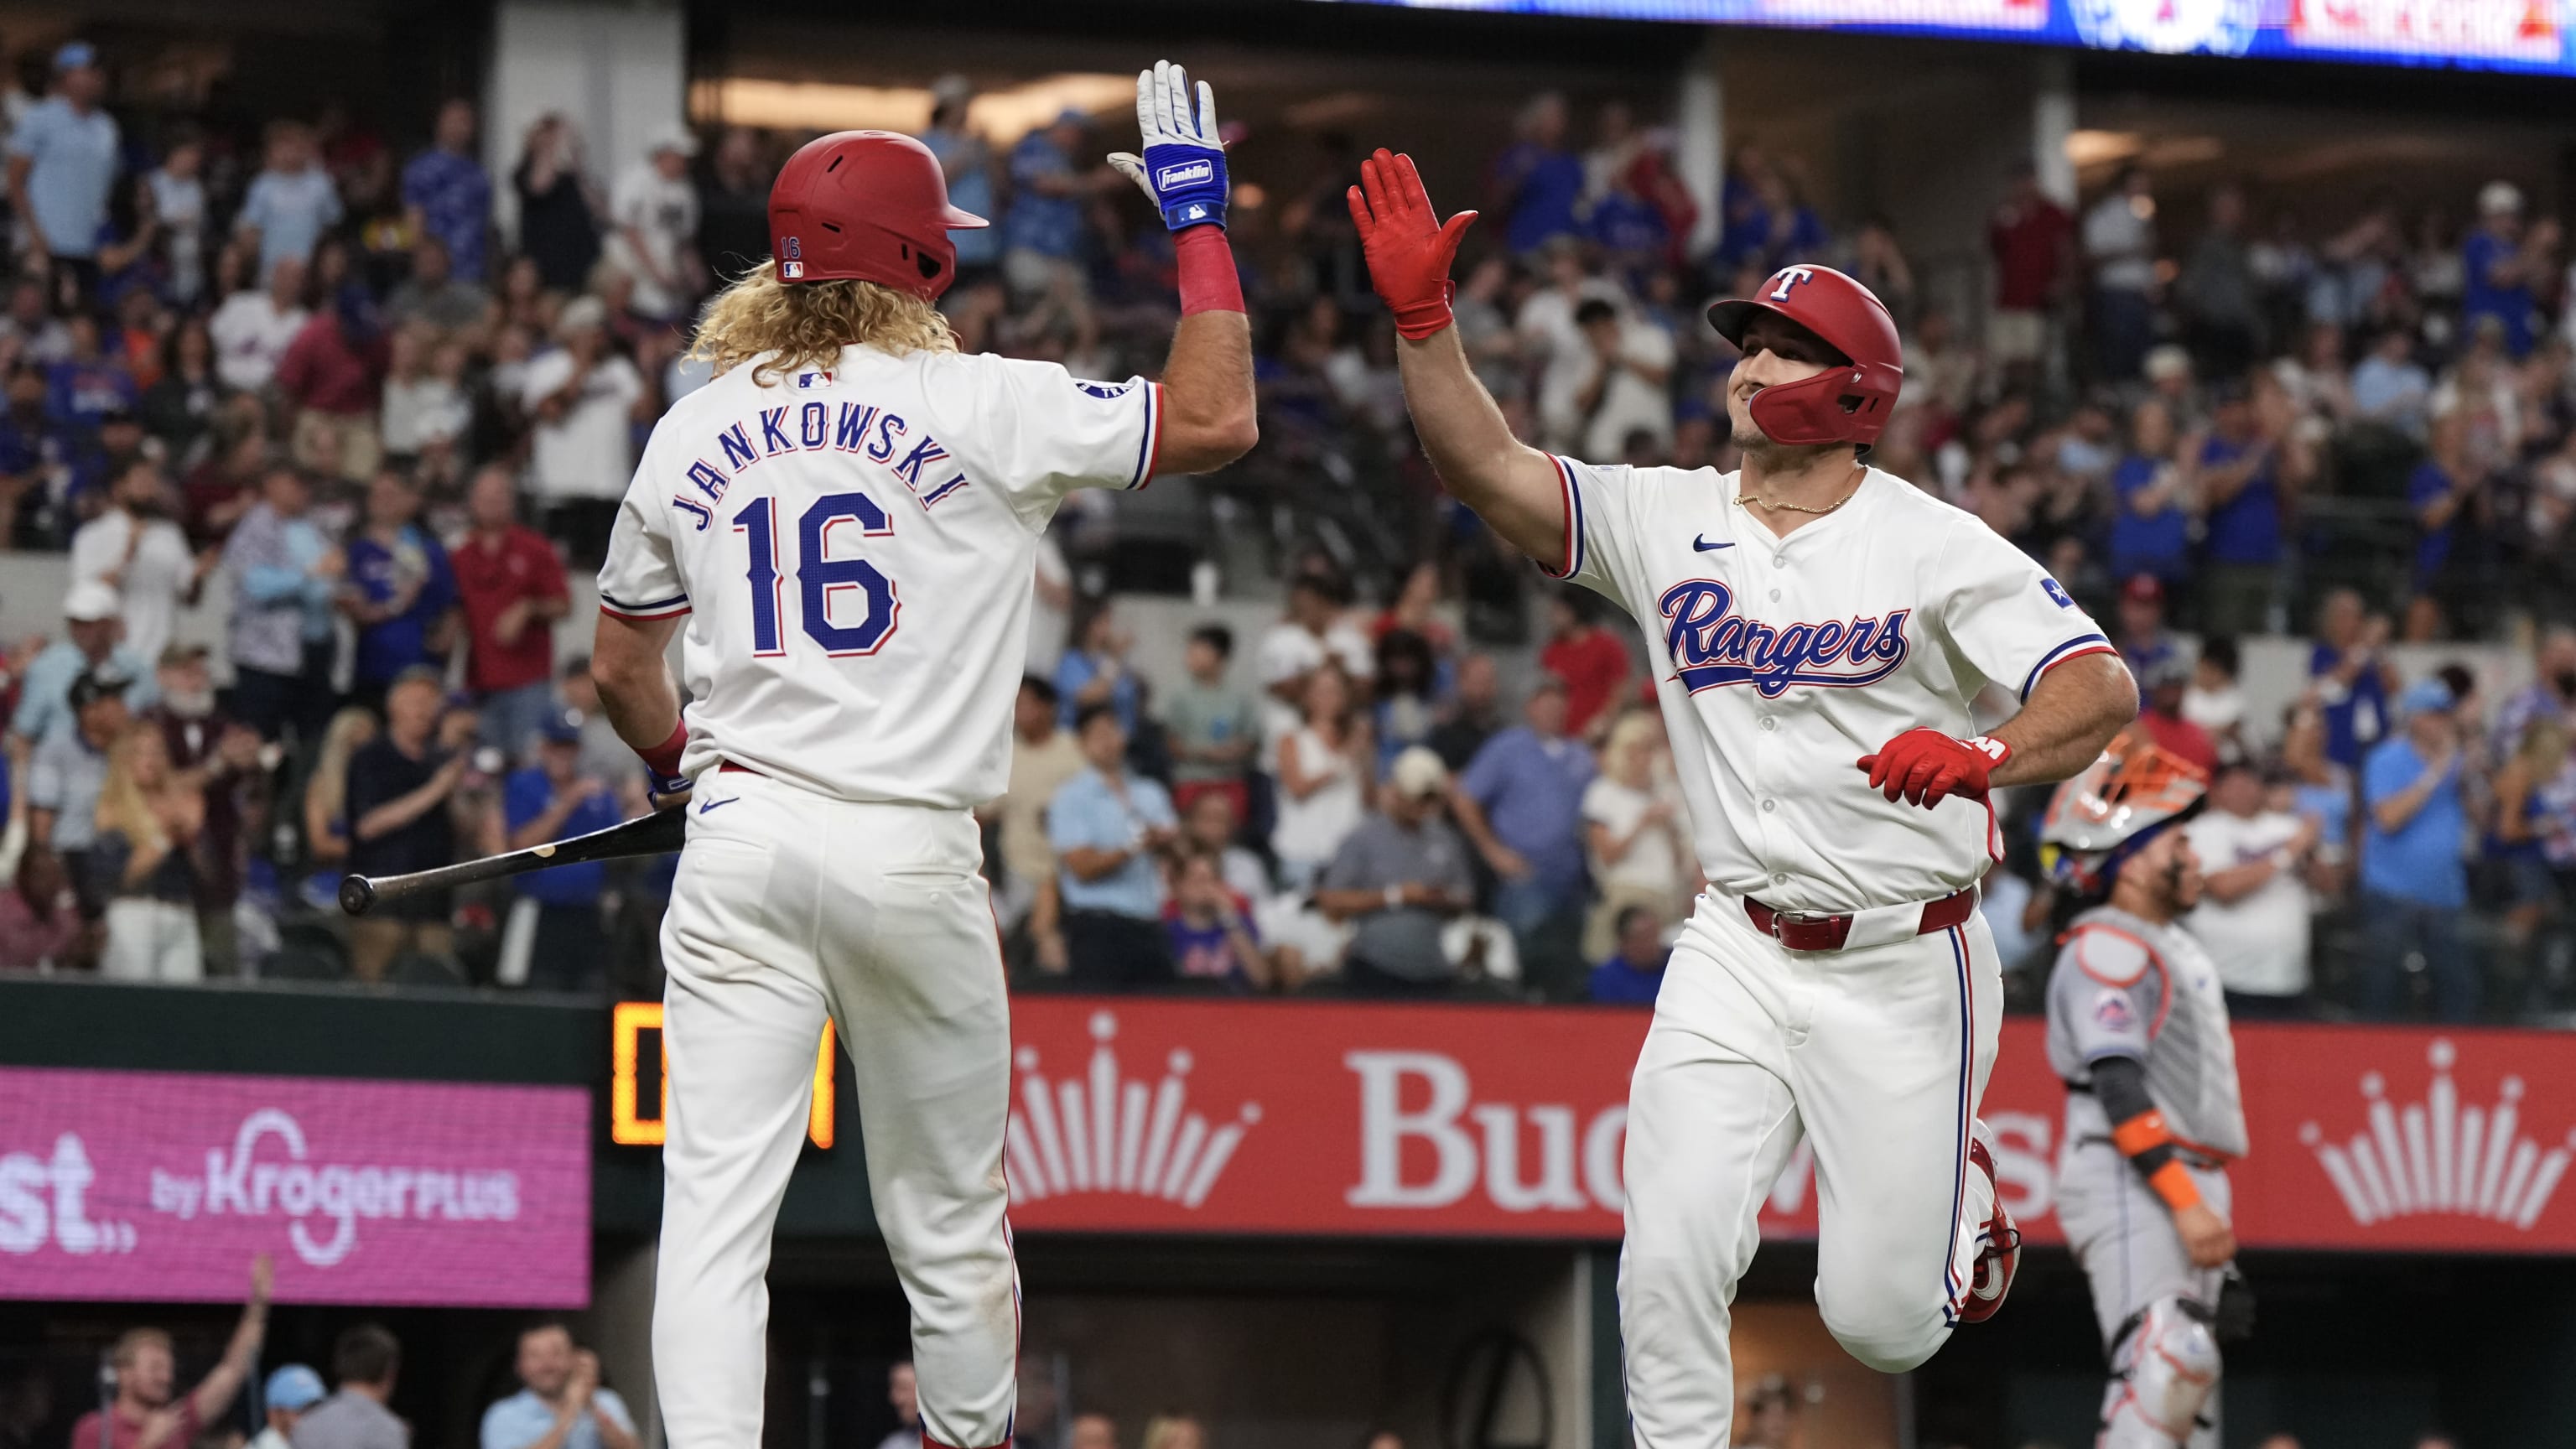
(1320, 770)
(1634, 831)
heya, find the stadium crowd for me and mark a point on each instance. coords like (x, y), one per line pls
(308, 378)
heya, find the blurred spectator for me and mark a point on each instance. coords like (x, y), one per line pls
(291, 202)
(2388, 388)
(447, 193)
(2141, 636)
(1399, 877)
(2120, 246)
(2212, 700)
(434, 293)
(133, 547)
(1095, 670)
(2323, 794)
(903, 1393)
(2450, 498)
(2162, 683)
(148, 1412)
(1312, 631)
(2500, 264)
(1213, 728)
(400, 594)
(1633, 970)
(655, 211)
(144, 857)
(41, 337)
(291, 1389)
(2151, 531)
(2032, 241)
(968, 162)
(1475, 712)
(1043, 757)
(93, 618)
(2215, 291)
(2254, 910)
(2531, 841)
(1407, 679)
(2350, 677)
(334, 372)
(558, 218)
(1592, 660)
(1637, 835)
(1537, 181)
(584, 399)
(2239, 478)
(1051, 600)
(254, 327)
(1323, 767)
(221, 758)
(556, 938)
(1621, 385)
(1090, 1431)
(286, 575)
(512, 589)
(1520, 804)
(179, 407)
(366, 1359)
(1107, 826)
(1213, 940)
(562, 1404)
(66, 774)
(1173, 1432)
(62, 165)
(2413, 884)
(2550, 695)
(401, 799)
(733, 207)
(177, 190)
(326, 796)
(1209, 824)
(39, 921)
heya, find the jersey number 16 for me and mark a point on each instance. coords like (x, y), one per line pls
(818, 577)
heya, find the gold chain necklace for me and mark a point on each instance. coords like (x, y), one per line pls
(1743, 502)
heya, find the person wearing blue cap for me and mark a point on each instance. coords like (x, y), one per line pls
(554, 934)
(2413, 881)
(62, 165)
(291, 1390)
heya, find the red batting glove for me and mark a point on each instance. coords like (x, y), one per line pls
(1408, 250)
(1926, 766)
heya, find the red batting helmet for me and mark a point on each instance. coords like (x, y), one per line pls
(1846, 404)
(866, 205)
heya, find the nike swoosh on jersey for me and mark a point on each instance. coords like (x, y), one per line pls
(1701, 543)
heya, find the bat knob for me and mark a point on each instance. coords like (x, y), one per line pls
(357, 894)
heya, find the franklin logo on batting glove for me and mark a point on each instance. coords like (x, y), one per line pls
(1183, 168)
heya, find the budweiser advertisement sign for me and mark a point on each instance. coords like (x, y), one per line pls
(162, 1186)
(1169, 1116)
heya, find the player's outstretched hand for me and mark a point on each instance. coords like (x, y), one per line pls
(1408, 248)
(1183, 168)
(1926, 767)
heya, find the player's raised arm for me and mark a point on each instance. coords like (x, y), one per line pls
(1208, 417)
(1510, 485)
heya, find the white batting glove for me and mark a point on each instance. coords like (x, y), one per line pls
(1183, 168)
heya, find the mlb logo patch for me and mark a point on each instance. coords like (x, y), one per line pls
(1183, 175)
(810, 380)
(791, 270)
(2057, 592)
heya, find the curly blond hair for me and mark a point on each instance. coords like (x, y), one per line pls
(808, 324)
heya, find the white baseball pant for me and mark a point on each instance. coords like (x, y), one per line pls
(2123, 1236)
(791, 906)
(1877, 1057)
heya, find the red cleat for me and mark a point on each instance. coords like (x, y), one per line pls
(1999, 1255)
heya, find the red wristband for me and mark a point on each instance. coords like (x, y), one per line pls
(664, 758)
(1208, 279)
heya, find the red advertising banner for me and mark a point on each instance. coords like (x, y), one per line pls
(1329, 1119)
(162, 1186)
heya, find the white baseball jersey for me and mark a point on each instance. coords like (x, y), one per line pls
(1780, 662)
(853, 550)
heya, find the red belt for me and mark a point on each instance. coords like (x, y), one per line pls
(730, 768)
(1817, 931)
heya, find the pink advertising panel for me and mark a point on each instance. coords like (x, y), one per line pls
(162, 1186)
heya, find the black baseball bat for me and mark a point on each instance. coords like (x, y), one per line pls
(659, 833)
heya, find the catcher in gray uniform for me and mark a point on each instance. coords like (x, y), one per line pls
(2137, 1029)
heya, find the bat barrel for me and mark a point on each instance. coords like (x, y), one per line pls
(357, 894)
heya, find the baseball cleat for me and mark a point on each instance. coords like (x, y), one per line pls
(1999, 1251)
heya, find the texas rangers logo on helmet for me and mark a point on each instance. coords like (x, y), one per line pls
(1789, 277)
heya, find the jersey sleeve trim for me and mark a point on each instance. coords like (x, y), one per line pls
(2075, 648)
(670, 608)
(1573, 523)
(1149, 449)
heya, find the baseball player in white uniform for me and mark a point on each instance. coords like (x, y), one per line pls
(845, 522)
(2137, 1029)
(1816, 629)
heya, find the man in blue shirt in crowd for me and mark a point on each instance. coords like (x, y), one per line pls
(1536, 181)
(1520, 803)
(1107, 827)
(968, 162)
(62, 165)
(401, 590)
(2351, 678)
(1635, 971)
(449, 195)
(2413, 882)
(2498, 269)
(1044, 229)
(94, 618)
(556, 919)
(563, 1405)
(2241, 485)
